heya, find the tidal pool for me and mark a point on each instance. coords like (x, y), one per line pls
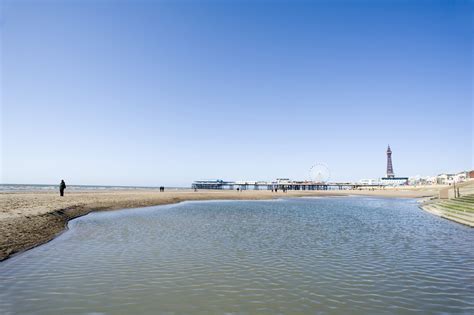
(350, 255)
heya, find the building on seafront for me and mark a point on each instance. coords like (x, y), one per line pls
(449, 179)
(370, 181)
(390, 178)
(442, 179)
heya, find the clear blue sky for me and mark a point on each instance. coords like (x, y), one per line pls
(166, 92)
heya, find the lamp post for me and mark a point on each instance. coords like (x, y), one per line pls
(454, 188)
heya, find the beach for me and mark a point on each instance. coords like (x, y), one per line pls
(28, 219)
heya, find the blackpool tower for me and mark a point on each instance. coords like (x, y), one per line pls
(390, 173)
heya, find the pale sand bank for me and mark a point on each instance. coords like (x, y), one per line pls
(28, 219)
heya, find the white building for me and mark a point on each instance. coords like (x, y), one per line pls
(416, 180)
(394, 181)
(460, 177)
(369, 181)
(282, 181)
(431, 180)
(445, 179)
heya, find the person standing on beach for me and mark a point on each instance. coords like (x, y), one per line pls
(62, 186)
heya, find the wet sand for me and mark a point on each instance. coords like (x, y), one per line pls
(28, 219)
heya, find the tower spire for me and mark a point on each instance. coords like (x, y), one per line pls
(390, 173)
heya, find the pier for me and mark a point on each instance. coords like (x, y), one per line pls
(281, 185)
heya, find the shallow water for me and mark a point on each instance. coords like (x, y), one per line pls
(296, 256)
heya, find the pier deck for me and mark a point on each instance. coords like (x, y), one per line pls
(291, 185)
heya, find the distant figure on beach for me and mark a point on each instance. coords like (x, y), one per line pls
(62, 186)
(162, 188)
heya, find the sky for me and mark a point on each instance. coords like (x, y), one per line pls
(166, 92)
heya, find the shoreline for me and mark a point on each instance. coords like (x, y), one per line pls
(433, 207)
(29, 219)
(458, 207)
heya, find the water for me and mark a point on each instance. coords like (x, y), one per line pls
(296, 256)
(41, 187)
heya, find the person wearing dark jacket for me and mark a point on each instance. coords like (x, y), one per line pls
(62, 186)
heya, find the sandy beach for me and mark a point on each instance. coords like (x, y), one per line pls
(28, 219)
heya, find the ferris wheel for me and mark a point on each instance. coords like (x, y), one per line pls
(319, 172)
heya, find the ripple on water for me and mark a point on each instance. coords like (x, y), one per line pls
(314, 256)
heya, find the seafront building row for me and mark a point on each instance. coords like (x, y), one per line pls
(441, 179)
